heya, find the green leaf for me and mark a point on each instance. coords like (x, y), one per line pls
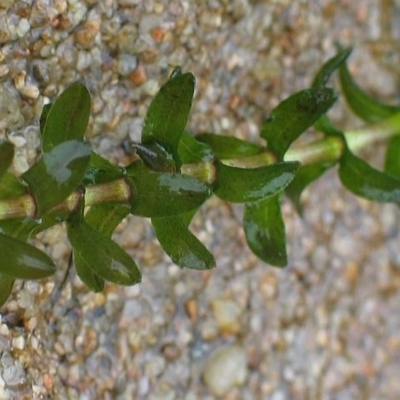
(366, 181)
(168, 114)
(164, 194)
(93, 281)
(228, 147)
(242, 185)
(6, 286)
(305, 175)
(364, 106)
(59, 172)
(18, 228)
(11, 186)
(6, 156)
(265, 230)
(155, 157)
(105, 217)
(392, 158)
(101, 170)
(67, 118)
(181, 245)
(294, 115)
(192, 151)
(43, 117)
(98, 253)
(22, 261)
(330, 66)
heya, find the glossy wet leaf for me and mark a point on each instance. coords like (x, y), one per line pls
(192, 151)
(363, 105)
(6, 156)
(181, 245)
(164, 194)
(304, 177)
(67, 118)
(168, 113)
(265, 230)
(105, 217)
(100, 170)
(6, 286)
(97, 252)
(392, 158)
(294, 115)
(242, 185)
(155, 157)
(229, 147)
(57, 174)
(330, 66)
(368, 182)
(21, 260)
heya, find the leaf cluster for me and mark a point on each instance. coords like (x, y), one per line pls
(174, 173)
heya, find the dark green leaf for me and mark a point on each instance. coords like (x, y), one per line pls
(98, 253)
(364, 106)
(18, 228)
(294, 115)
(105, 217)
(305, 175)
(325, 125)
(192, 151)
(43, 117)
(330, 66)
(101, 170)
(242, 185)
(228, 147)
(67, 118)
(168, 113)
(164, 194)
(22, 261)
(155, 157)
(181, 245)
(57, 174)
(10, 186)
(6, 286)
(265, 230)
(6, 156)
(365, 181)
(93, 281)
(392, 159)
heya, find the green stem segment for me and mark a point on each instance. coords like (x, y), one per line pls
(119, 191)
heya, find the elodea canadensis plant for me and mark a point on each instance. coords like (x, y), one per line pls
(175, 172)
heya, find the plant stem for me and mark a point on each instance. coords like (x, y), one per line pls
(119, 191)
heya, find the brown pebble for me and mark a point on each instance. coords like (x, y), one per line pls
(47, 381)
(192, 309)
(138, 76)
(158, 34)
(86, 34)
(171, 351)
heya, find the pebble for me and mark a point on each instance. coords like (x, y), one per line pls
(225, 369)
(227, 314)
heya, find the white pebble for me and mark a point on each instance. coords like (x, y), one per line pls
(4, 395)
(23, 27)
(4, 330)
(226, 369)
(18, 343)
